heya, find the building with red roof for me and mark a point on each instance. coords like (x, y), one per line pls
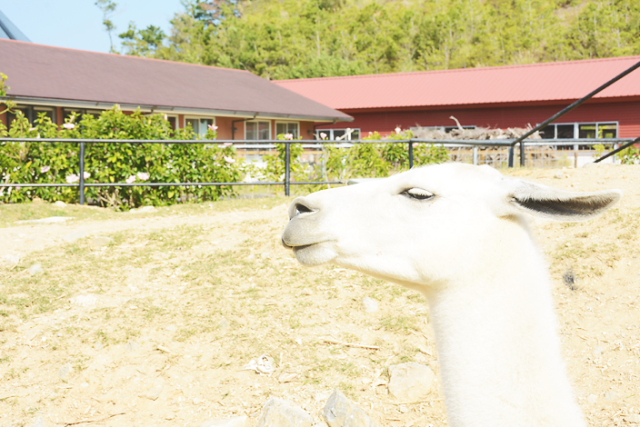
(59, 81)
(494, 97)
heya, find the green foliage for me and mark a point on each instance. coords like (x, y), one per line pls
(630, 156)
(275, 169)
(108, 8)
(8, 105)
(31, 162)
(362, 160)
(284, 39)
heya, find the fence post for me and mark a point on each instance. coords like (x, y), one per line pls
(410, 154)
(81, 188)
(522, 155)
(287, 169)
(475, 155)
(511, 156)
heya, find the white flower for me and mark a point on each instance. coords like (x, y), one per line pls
(398, 130)
(227, 144)
(86, 175)
(72, 178)
(69, 126)
(288, 136)
(45, 169)
(229, 159)
(143, 176)
(323, 135)
(213, 127)
(131, 179)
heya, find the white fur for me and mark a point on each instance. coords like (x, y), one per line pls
(469, 251)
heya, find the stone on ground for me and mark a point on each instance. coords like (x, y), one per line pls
(342, 412)
(282, 413)
(410, 382)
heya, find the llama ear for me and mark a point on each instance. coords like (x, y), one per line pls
(561, 205)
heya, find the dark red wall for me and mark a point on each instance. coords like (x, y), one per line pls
(627, 114)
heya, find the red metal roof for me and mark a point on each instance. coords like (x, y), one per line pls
(556, 81)
(52, 73)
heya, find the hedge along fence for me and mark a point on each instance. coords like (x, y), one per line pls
(33, 162)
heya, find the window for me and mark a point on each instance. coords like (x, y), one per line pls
(338, 134)
(283, 128)
(173, 121)
(254, 129)
(200, 126)
(580, 130)
(31, 112)
(79, 112)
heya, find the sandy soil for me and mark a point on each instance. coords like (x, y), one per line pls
(162, 340)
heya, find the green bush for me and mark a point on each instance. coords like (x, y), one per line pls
(380, 160)
(45, 162)
(357, 161)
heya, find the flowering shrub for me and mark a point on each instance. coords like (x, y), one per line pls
(630, 156)
(30, 162)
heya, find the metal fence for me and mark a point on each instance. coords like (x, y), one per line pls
(497, 153)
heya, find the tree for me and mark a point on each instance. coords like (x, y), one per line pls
(108, 7)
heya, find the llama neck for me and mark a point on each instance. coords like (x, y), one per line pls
(499, 348)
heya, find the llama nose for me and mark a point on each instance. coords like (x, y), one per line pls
(301, 206)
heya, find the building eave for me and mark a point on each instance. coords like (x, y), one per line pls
(163, 109)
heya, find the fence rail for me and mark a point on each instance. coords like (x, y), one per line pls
(505, 157)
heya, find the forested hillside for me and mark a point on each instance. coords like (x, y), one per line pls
(284, 39)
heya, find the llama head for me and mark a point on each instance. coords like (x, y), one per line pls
(428, 225)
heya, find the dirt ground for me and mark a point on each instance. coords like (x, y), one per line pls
(149, 319)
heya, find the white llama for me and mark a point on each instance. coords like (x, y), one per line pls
(457, 233)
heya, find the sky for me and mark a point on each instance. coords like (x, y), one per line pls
(77, 24)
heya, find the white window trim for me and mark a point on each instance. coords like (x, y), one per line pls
(576, 127)
(287, 123)
(258, 121)
(194, 118)
(330, 133)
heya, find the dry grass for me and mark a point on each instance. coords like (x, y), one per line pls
(185, 297)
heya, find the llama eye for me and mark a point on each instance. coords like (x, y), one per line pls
(418, 194)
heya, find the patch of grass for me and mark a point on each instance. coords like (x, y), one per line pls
(402, 324)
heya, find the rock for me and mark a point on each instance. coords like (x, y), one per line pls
(100, 242)
(342, 412)
(48, 220)
(60, 204)
(154, 393)
(410, 382)
(228, 422)
(65, 371)
(11, 259)
(282, 413)
(371, 305)
(35, 269)
(88, 301)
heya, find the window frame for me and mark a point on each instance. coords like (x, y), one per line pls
(296, 134)
(331, 133)
(199, 119)
(258, 130)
